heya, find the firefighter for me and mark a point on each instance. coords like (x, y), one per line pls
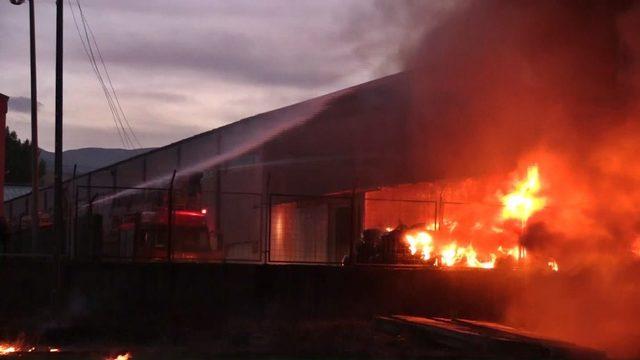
(366, 247)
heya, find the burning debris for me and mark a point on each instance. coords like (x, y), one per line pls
(6, 349)
(485, 239)
(559, 88)
(18, 347)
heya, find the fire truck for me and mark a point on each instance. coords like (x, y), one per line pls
(144, 235)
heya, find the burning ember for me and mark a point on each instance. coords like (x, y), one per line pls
(126, 356)
(8, 349)
(439, 248)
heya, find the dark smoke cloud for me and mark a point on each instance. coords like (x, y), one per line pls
(501, 76)
(499, 80)
(21, 104)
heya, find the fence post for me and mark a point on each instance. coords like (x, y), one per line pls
(170, 219)
(92, 240)
(75, 223)
(354, 228)
(264, 221)
(269, 207)
(70, 249)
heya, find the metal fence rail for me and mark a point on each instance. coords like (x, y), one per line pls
(140, 224)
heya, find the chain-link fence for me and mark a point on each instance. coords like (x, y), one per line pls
(241, 231)
(384, 223)
(29, 235)
(166, 224)
(121, 223)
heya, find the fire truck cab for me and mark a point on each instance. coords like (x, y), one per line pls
(145, 235)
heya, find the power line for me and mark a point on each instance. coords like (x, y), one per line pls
(113, 90)
(126, 134)
(95, 71)
(115, 94)
(86, 48)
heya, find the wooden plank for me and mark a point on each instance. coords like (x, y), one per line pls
(486, 338)
(449, 335)
(554, 345)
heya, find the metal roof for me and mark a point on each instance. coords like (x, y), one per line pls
(14, 191)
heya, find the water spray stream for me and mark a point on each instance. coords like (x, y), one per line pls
(295, 116)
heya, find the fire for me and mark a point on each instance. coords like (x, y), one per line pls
(126, 356)
(524, 201)
(635, 246)
(442, 247)
(422, 242)
(452, 254)
(6, 349)
(513, 252)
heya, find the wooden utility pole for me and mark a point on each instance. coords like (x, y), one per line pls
(58, 195)
(3, 115)
(35, 173)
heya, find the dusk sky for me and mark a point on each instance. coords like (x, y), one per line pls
(184, 67)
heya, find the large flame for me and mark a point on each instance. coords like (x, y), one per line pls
(524, 200)
(451, 254)
(421, 243)
(444, 248)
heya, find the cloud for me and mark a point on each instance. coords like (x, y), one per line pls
(181, 67)
(22, 104)
(270, 44)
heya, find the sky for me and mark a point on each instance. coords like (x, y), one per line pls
(184, 67)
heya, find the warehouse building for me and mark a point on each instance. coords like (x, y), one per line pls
(295, 185)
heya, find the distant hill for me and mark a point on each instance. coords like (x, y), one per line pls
(86, 159)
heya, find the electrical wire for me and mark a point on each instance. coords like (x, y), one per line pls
(126, 134)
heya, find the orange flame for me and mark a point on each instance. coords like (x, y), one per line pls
(451, 254)
(6, 349)
(126, 356)
(524, 201)
(635, 247)
(441, 248)
(422, 242)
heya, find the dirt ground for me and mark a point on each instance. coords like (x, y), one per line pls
(349, 339)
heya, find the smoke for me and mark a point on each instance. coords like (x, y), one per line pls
(22, 104)
(501, 84)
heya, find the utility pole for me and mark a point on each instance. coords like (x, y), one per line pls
(35, 218)
(35, 176)
(57, 195)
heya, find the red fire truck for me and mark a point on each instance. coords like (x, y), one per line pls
(145, 236)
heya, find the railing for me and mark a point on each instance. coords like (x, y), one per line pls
(141, 224)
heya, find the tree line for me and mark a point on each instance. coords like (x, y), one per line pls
(18, 159)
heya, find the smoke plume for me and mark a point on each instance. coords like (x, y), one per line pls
(500, 84)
